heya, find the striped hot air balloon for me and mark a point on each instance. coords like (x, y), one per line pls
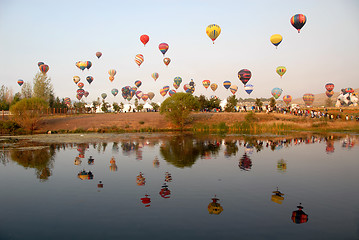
(233, 89)
(298, 21)
(163, 48)
(155, 76)
(308, 99)
(244, 75)
(248, 88)
(20, 82)
(139, 59)
(287, 99)
(214, 87)
(227, 84)
(329, 87)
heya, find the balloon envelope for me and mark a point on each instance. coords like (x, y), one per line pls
(178, 80)
(206, 83)
(281, 70)
(114, 91)
(144, 39)
(138, 83)
(227, 84)
(145, 97)
(20, 82)
(214, 86)
(276, 92)
(248, 88)
(167, 61)
(287, 99)
(98, 54)
(40, 63)
(139, 59)
(329, 87)
(163, 48)
(244, 75)
(44, 68)
(171, 92)
(276, 39)
(308, 99)
(89, 79)
(103, 95)
(329, 93)
(80, 85)
(298, 21)
(155, 76)
(139, 94)
(233, 89)
(151, 95)
(76, 79)
(213, 31)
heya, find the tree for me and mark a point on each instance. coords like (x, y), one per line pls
(122, 106)
(28, 111)
(155, 106)
(136, 103)
(231, 103)
(179, 107)
(116, 107)
(272, 103)
(95, 104)
(259, 104)
(139, 107)
(42, 87)
(104, 106)
(6, 97)
(26, 90)
(329, 102)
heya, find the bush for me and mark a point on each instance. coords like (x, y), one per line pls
(28, 111)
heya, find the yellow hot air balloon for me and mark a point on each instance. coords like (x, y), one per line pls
(276, 39)
(281, 70)
(213, 31)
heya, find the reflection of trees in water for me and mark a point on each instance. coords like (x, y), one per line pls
(115, 147)
(183, 151)
(231, 148)
(40, 159)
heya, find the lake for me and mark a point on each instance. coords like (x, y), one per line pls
(169, 186)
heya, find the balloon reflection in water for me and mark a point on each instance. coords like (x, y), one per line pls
(140, 180)
(100, 184)
(245, 163)
(83, 175)
(165, 192)
(277, 197)
(91, 161)
(113, 166)
(156, 163)
(282, 165)
(146, 200)
(168, 177)
(299, 216)
(330, 146)
(214, 207)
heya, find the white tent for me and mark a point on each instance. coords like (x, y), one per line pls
(147, 106)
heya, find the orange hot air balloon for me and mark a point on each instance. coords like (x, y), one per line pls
(206, 83)
(139, 59)
(144, 39)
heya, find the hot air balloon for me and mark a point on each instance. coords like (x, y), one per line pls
(138, 83)
(178, 80)
(104, 95)
(114, 92)
(227, 84)
(167, 61)
(144, 39)
(281, 70)
(214, 207)
(298, 21)
(145, 97)
(277, 197)
(287, 99)
(244, 75)
(329, 87)
(112, 73)
(349, 90)
(276, 92)
(146, 201)
(214, 87)
(299, 216)
(175, 85)
(155, 76)
(151, 95)
(98, 54)
(76, 79)
(308, 99)
(248, 88)
(171, 92)
(139, 94)
(67, 100)
(44, 68)
(163, 48)
(206, 83)
(139, 59)
(40, 63)
(131, 93)
(188, 88)
(233, 89)
(78, 96)
(86, 94)
(213, 31)
(88, 64)
(20, 82)
(80, 92)
(166, 88)
(329, 93)
(276, 39)
(89, 79)
(80, 85)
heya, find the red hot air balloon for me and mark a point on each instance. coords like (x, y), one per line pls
(298, 21)
(329, 87)
(98, 54)
(144, 39)
(167, 61)
(163, 48)
(146, 201)
(299, 216)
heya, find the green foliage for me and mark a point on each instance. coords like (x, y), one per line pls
(26, 90)
(42, 87)
(250, 117)
(231, 103)
(116, 107)
(8, 126)
(272, 102)
(5, 98)
(104, 106)
(179, 107)
(28, 111)
(210, 104)
(259, 103)
(139, 107)
(155, 106)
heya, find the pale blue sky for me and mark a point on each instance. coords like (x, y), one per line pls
(60, 33)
